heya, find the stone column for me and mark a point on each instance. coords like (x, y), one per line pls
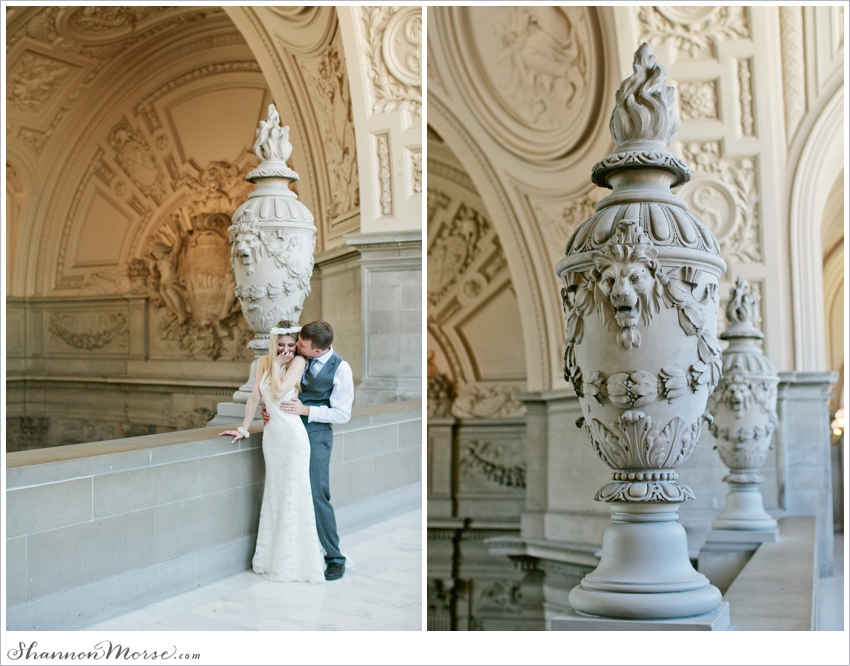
(391, 284)
(640, 300)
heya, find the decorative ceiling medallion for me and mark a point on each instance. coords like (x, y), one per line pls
(533, 74)
(713, 203)
(402, 46)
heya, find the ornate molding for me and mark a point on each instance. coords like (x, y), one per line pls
(698, 100)
(745, 96)
(453, 249)
(493, 461)
(391, 93)
(33, 81)
(724, 192)
(694, 31)
(62, 326)
(328, 81)
(382, 148)
(487, 402)
(416, 170)
(793, 68)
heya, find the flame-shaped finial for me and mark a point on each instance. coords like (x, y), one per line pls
(741, 312)
(272, 142)
(644, 110)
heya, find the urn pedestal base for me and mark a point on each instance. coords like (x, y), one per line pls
(228, 413)
(744, 510)
(645, 572)
(571, 620)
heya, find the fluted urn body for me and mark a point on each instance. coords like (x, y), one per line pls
(744, 411)
(641, 306)
(272, 241)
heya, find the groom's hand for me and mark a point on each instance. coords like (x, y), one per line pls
(295, 406)
(266, 416)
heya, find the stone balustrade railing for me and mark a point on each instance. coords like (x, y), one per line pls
(99, 529)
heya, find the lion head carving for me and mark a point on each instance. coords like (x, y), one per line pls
(628, 279)
(246, 241)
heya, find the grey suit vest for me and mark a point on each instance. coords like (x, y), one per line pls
(317, 390)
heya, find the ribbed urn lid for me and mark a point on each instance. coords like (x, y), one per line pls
(642, 125)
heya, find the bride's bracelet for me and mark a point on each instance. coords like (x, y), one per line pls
(244, 432)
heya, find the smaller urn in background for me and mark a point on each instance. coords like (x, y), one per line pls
(744, 411)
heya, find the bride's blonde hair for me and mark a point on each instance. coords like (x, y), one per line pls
(284, 328)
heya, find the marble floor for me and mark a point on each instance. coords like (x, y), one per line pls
(382, 592)
(831, 593)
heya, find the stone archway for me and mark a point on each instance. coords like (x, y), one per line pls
(821, 159)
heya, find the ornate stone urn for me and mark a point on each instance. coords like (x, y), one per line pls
(272, 239)
(744, 411)
(640, 300)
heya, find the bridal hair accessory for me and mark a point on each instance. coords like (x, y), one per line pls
(244, 432)
(285, 331)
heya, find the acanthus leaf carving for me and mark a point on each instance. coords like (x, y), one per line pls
(390, 94)
(695, 31)
(33, 79)
(737, 224)
(328, 81)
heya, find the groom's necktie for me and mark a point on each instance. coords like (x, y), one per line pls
(310, 365)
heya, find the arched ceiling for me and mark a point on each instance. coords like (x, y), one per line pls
(123, 122)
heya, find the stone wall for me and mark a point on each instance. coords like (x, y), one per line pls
(99, 529)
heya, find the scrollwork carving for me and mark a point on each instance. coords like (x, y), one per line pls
(487, 402)
(33, 79)
(453, 249)
(134, 156)
(694, 31)
(329, 82)
(739, 234)
(390, 94)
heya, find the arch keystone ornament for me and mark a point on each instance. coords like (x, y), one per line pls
(272, 238)
(641, 306)
(744, 411)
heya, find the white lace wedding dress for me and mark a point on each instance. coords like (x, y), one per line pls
(288, 546)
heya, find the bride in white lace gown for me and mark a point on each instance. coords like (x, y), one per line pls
(288, 546)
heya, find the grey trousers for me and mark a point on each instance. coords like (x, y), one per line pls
(321, 443)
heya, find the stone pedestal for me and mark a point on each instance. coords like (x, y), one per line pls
(744, 510)
(573, 621)
(229, 413)
(391, 283)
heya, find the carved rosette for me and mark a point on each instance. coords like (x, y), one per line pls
(744, 405)
(641, 302)
(272, 238)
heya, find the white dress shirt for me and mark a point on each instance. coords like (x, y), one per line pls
(342, 394)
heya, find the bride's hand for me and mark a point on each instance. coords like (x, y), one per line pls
(283, 358)
(233, 433)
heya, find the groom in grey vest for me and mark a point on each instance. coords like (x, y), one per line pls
(327, 392)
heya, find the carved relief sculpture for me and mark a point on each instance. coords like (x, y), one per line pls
(744, 411)
(640, 301)
(272, 240)
(393, 50)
